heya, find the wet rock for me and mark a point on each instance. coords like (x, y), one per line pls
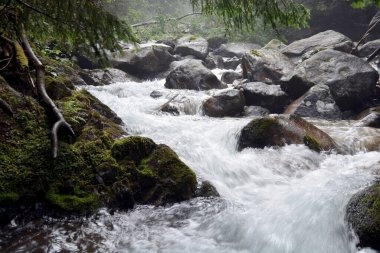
(192, 75)
(145, 62)
(363, 214)
(316, 103)
(266, 66)
(168, 42)
(210, 62)
(171, 109)
(264, 95)
(156, 94)
(225, 103)
(351, 80)
(216, 42)
(230, 50)
(370, 120)
(100, 77)
(230, 76)
(255, 111)
(192, 45)
(277, 131)
(274, 44)
(207, 190)
(324, 40)
(231, 63)
(58, 88)
(124, 195)
(368, 48)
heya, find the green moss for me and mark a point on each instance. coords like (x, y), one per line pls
(21, 58)
(312, 143)
(261, 126)
(72, 203)
(133, 147)
(193, 37)
(8, 198)
(372, 202)
(255, 53)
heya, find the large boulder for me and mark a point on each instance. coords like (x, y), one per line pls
(363, 215)
(351, 80)
(264, 95)
(324, 40)
(316, 103)
(225, 103)
(368, 48)
(192, 45)
(275, 44)
(265, 65)
(100, 77)
(147, 62)
(277, 131)
(230, 50)
(192, 75)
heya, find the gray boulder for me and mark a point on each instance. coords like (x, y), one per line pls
(363, 215)
(230, 76)
(270, 97)
(324, 40)
(274, 44)
(230, 50)
(146, 62)
(231, 63)
(225, 103)
(192, 45)
(265, 65)
(216, 42)
(99, 77)
(277, 131)
(368, 48)
(192, 75)
(351, 80)
(316, 103)
(255, 111)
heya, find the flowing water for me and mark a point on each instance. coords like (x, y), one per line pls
(287, 200)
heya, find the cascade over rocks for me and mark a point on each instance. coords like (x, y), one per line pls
(147, 62)
(324, 40)
(281, 130)
(266, 66)
(192, 75)
(192, 45)
(99, 77)
(270, 97)
(363, 215)
(230, 50)
(351, 80)
(225, 103)
(316, 103)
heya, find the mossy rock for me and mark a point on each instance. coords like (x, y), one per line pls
(363, 214)
(86, 203)
(207, 190)
(277, 131)
(58, 88)
(132, 148)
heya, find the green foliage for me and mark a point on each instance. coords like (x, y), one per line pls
(365, 3)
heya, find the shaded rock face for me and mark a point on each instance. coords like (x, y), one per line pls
(193, 76)
(363, 215)
(368, 48)
(265, 65)
(282, 130)
(216, 42)
(100, 77)
(351, 80)
(316, 103)
(192, 45)
(225, 103)
(324, 40)
(231, 76)
(264, 95)
(146, 62)
(230, 50)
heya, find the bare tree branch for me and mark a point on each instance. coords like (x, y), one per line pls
(166, 20)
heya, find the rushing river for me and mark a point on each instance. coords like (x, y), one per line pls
(287, 200)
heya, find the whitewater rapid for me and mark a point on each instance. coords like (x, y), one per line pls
(286, 200)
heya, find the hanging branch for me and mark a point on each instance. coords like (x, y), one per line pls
(60, 121)
(375, 20)
(166, 20)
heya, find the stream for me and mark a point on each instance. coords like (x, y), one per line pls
(286, 200)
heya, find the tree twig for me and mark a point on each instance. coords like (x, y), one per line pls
(146, 23)
(60, 121)
(5, 7)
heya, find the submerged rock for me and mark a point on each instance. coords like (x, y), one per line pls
(363, 214)
(192, 75)
(225, 103)
(207, 190)
(277, 131)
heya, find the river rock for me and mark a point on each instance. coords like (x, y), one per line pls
(274, 44)
(323, 40)
(231, 63)
(225, 103)
(316, 103)
(192, 45)
(100, 77)
(147, 62)
(255, 111)
(277, 131)
(230, 76)
(156, 94)
(230, 50)
(368, 48)
(216, 42)
(266, 66)
(351, 80)
(369, 117)
(192, 75)
(363, 215)
(267, 96)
